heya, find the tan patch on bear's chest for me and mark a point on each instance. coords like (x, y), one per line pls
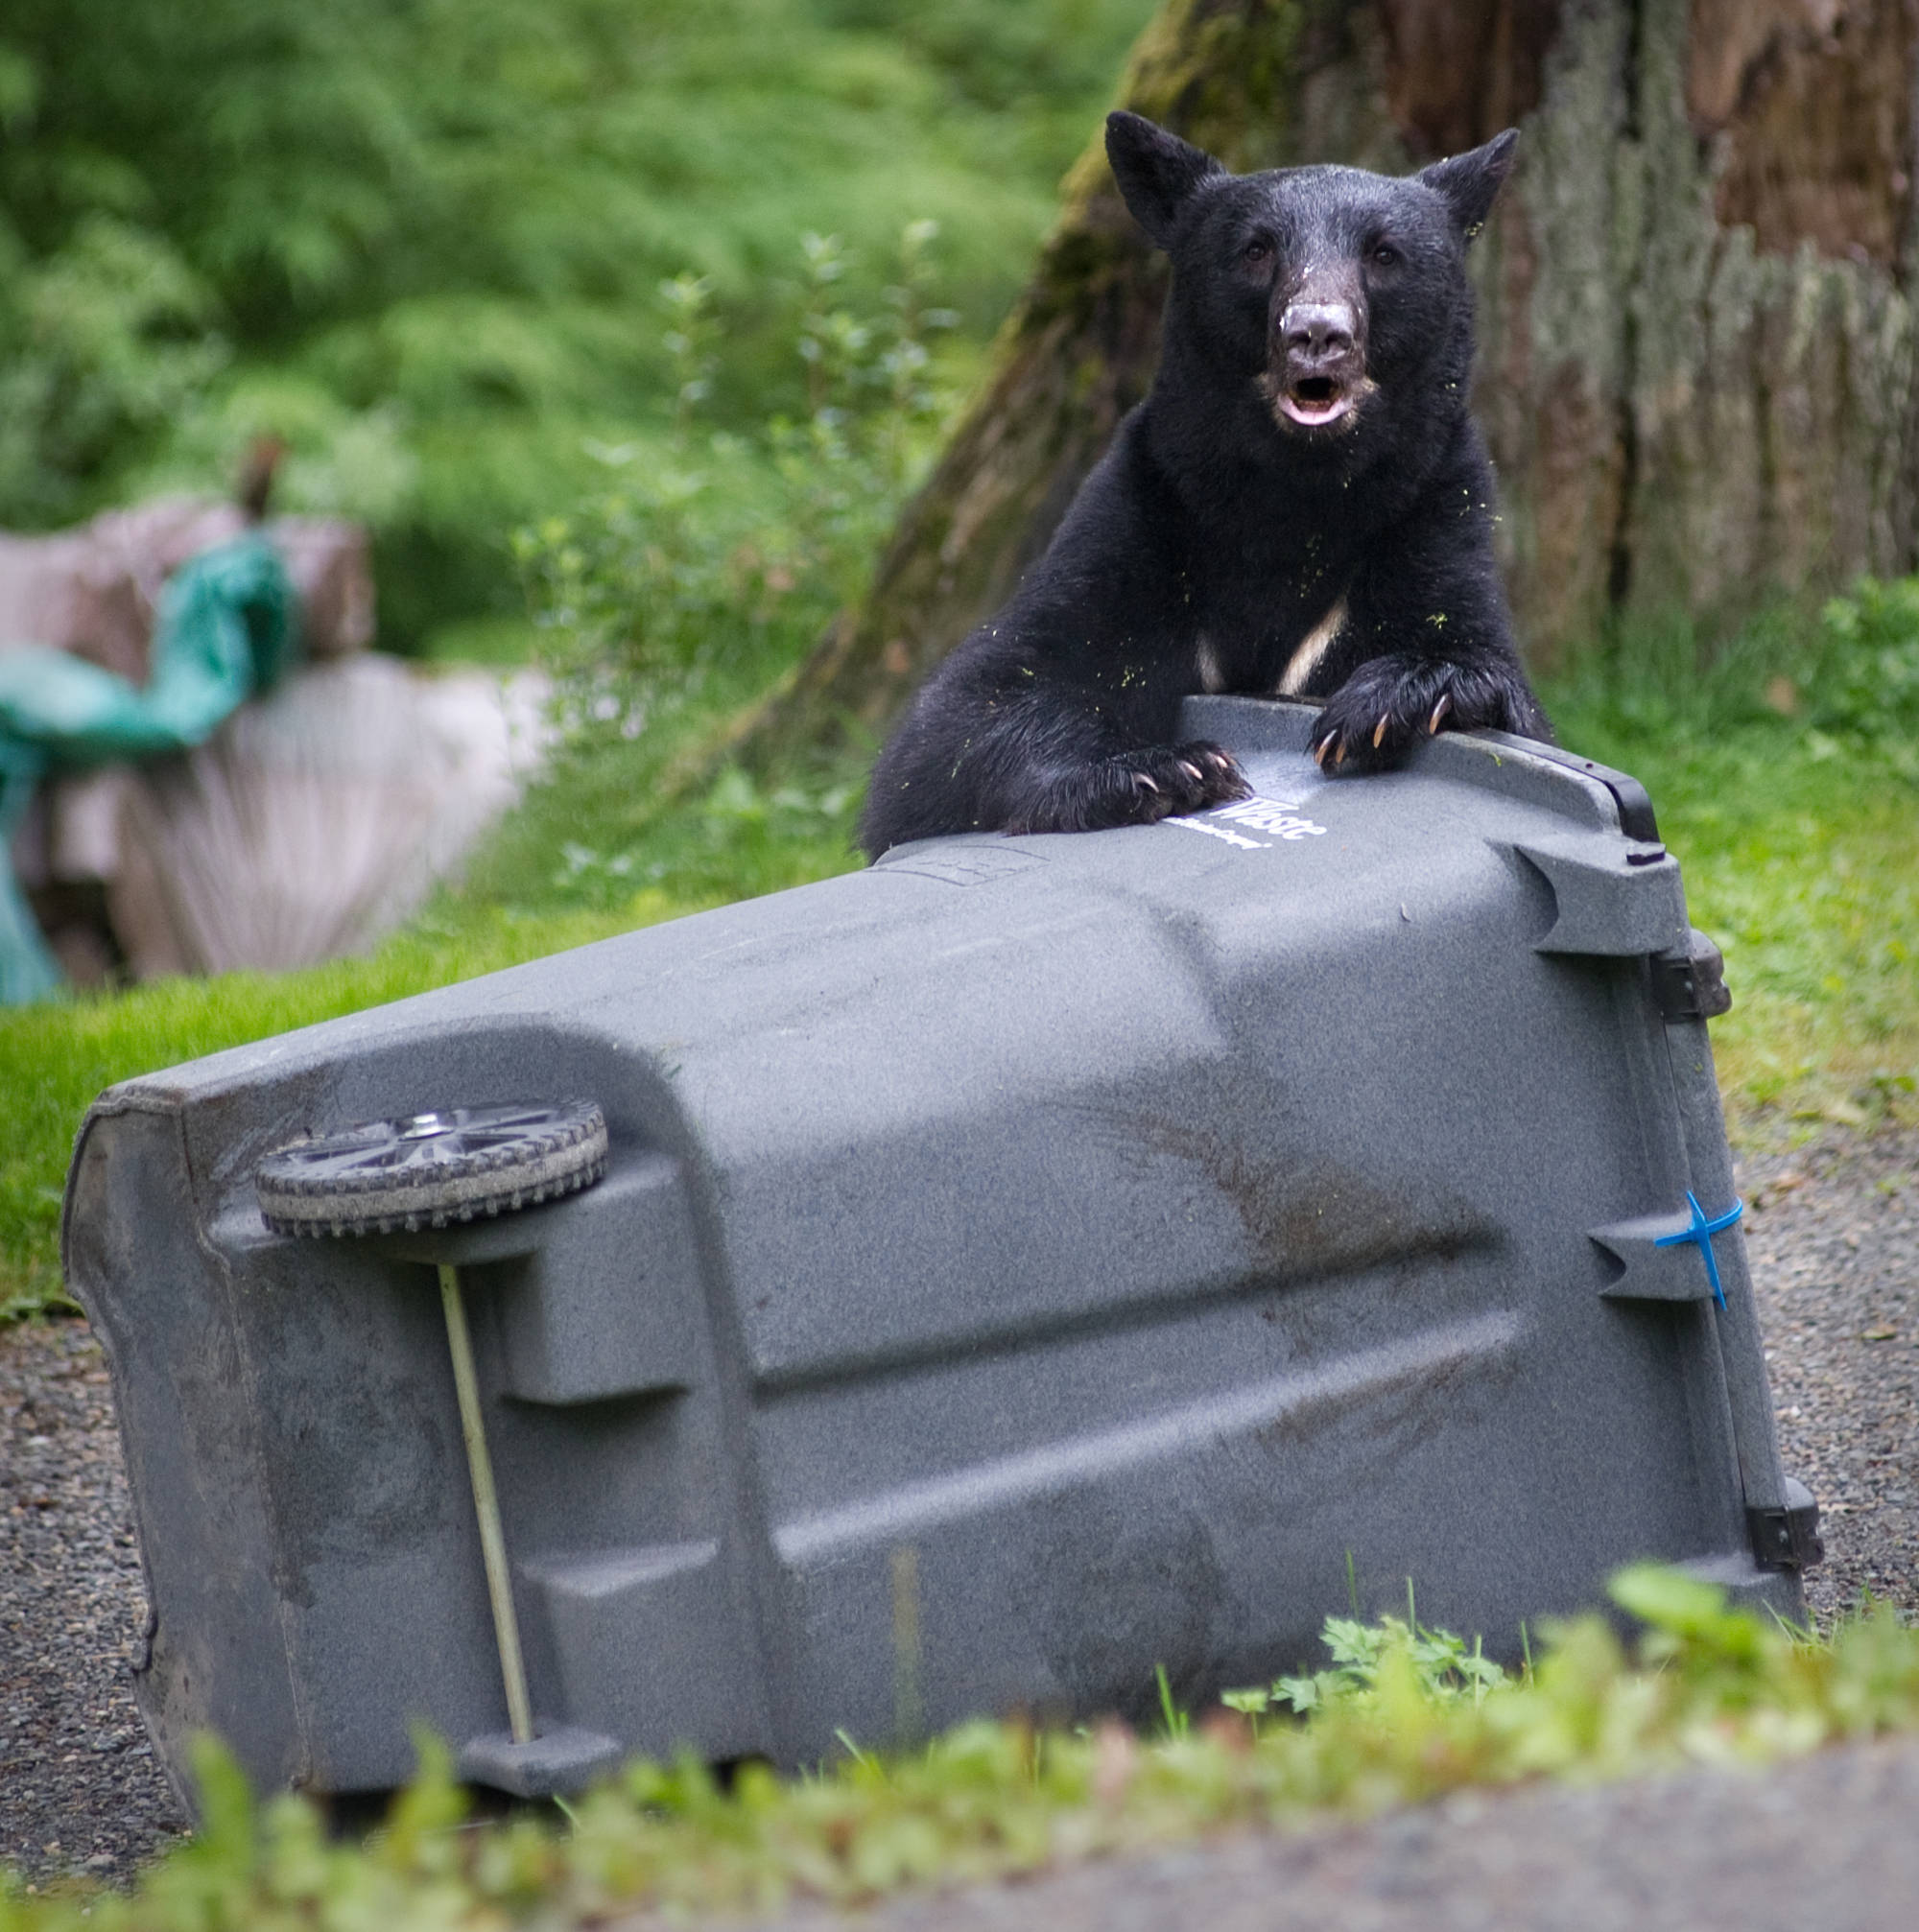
(1313, 647)
(1212, 673)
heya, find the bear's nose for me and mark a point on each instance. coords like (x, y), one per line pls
(1319, 332)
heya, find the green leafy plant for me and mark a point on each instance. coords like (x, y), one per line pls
(1862, 688)
(1440, 1665)
(103, 344)
(413, 240)
(713, 555)
(1440, 1660)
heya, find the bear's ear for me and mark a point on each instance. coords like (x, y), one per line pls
(1157, 171)
(1469, 182)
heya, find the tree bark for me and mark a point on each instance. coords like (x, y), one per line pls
(1696, 367)
(1696, 343)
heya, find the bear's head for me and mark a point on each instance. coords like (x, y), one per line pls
(1318, 290)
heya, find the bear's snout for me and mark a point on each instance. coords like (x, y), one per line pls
(1320, 332)
(1317, 376)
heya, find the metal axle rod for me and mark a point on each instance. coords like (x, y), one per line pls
(486, 1508)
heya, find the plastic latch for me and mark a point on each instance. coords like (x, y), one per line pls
(1787, 1537)
(1692, 985)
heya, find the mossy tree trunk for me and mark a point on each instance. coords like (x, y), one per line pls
(1696, 354)
(1696, 367)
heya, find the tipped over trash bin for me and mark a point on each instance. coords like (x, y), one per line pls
(1017, 1266)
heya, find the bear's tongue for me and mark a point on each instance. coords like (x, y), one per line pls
(1316, 401)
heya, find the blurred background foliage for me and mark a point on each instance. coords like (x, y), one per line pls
(421, 239)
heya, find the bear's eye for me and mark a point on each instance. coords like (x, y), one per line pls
(1384, 255)
(1257, 251)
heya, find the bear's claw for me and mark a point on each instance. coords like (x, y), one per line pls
(1138, 788)
(1175, 779)
(1390, 704)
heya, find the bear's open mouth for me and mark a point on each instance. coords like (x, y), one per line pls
(1314, 401)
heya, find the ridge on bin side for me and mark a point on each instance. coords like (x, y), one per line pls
(1020, 1264)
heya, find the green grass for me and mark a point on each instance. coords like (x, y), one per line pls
(1804, 868)
(1801, 858)
(1407, 1715)
(539, 888)
(54, 1058)
(587, 854)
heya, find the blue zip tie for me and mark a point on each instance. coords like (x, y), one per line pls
(1700, 1233)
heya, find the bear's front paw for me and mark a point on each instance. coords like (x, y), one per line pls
(1140, 788)
(1191, 777)
(1390, 703)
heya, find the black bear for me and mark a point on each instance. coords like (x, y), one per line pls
(1301, 506)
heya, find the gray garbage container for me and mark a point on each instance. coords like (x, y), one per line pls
(1018, 1265)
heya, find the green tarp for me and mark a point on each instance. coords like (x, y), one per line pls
(227, 627)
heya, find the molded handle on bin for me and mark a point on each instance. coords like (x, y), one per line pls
(1657, 1267)
(1607, 903)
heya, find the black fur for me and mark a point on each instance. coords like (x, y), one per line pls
(1238, 508)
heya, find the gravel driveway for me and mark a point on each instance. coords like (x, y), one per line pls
(1834, 1238)
(1833, 1233)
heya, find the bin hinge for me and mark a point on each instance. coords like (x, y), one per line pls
(1787, 1537)
(1692, 984)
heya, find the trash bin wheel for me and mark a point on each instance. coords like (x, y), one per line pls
(458, 1165)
